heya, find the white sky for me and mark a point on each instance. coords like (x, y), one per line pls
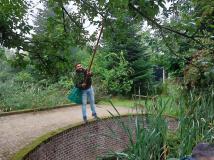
(36, 5)
(34, 10)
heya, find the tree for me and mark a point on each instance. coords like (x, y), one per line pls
(13, 25)
(126, 37)
(115, 79)
(53, 46)
(194, 54)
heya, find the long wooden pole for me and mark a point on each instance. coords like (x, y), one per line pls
(95, 48)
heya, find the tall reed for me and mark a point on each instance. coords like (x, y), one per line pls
(154, 141)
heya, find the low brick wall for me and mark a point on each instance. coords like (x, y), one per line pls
(87, 141)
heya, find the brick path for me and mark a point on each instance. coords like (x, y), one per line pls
(16, 131)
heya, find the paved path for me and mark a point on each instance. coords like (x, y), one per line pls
(16, 131)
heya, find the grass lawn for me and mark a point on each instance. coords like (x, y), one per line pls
(165, 103)
(123, 102)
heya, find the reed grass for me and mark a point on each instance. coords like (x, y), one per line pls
(154, 141)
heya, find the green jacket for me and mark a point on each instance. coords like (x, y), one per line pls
(79, 79)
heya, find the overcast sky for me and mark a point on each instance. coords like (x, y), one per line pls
(36, 5)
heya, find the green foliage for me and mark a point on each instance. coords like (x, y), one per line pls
(196, 120)
(204, 15)
(200, 71)
(12, 19)
(23, 76)
(125, 38)
(114, 72)
(2, 55)
(60, 40)
(149, 142)
(59, 30)
(195, 18)
(117, 78)
(65, 82)
(195, 125)
(150, 132)
(5, 69)
(57, 42)
(16, 96)
(20, 90)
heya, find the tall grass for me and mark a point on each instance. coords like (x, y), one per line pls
(196, 120)
(16, 96)
(154, 141)
(20, 89)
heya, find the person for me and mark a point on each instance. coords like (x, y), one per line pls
(83, 81)
(202, 151)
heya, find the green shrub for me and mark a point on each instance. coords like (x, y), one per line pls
(24, 76)
(200, 72)
(16, 96)
(113, 71)
(65, 82)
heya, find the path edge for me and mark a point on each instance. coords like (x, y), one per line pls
(36, 109)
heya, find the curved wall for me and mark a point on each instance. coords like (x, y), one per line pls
(87, 141)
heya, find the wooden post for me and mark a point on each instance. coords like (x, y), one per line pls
(139, 92)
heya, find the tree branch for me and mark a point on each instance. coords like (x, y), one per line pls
(169, 47)
(42, 61)
(101, 14)
(63, 18)
(71, 18)
(159, 25)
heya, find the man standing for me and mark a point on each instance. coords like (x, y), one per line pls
(83, 81)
